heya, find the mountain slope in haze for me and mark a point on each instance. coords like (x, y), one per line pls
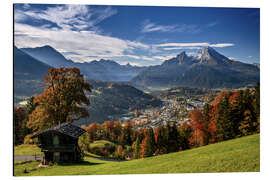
(208, 69)
(48, 55)
(27, 67)
(28, 74)
(103, 70)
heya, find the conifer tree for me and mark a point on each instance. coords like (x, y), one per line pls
(251, 114)
(257, 106)
(185, 132)
(127, 134)
(173, 137)
(245, 125)
(224, 122)
(137, 148)
(152, 142)
(237, 112)
(161, 139)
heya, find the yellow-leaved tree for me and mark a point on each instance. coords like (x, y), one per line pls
(63, 99)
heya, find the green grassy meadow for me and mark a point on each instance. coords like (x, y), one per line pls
(238, 155)
(27, 149)
(101, 144)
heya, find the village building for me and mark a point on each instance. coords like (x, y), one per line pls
(60, 143)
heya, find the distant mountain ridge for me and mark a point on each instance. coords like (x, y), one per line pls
(27, 67)
(208, 69)
(47, 55)
(104, 70)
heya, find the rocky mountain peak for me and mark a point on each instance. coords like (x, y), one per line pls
(207, 55)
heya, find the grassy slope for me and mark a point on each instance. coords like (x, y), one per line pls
(238, 155)
(101, 144)
(27, 149)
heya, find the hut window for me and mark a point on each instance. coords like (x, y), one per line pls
(56, 140)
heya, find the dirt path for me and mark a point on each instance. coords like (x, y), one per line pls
(106, 159)
(40, 157)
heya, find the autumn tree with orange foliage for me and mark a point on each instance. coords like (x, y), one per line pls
(62, 99)
(147, 147)
(197, 138)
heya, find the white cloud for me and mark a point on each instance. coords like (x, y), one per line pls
(212, 24)
(84, 43)
(233, 58)
(26, 6)
(165, 57)
(78, 17)
(179, 46)
(221, 45)
(131, 63)
(148, 26)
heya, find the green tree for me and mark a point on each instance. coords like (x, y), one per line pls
(224, 122)
(185, 132)
(237, 112)
(173, 137)
(137, 148)
(30, 107)
(206, 121)
(84, 141)
(152, 142)
(245, 125)
(19, 116)
(161, 139)
(249, 123)
(126, 137)
(257, 106)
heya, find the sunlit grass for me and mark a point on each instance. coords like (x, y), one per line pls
(238, 155)
(27, 149)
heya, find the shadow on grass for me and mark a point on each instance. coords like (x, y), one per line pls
(82, 163)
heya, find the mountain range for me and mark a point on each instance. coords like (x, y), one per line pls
(103, 70)
(207, 69)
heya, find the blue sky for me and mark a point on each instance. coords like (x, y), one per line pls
(139, 35)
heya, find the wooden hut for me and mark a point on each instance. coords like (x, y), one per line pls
(60, 143)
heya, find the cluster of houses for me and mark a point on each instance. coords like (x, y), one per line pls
(172, 110)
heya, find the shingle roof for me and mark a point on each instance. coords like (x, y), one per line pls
(66, 128)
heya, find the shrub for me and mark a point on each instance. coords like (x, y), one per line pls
(29, 140)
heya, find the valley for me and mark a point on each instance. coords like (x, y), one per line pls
(148, 96)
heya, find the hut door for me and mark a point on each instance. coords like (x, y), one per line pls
(55, 140)
(56, 156)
